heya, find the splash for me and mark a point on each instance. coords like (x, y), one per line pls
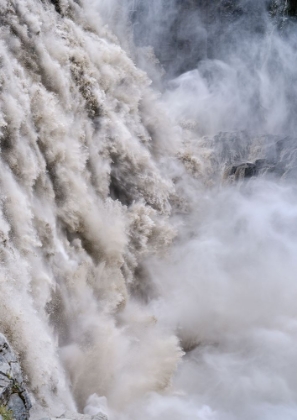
(148, 240)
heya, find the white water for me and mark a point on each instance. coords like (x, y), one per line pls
(121, 244)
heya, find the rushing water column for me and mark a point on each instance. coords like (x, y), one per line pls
(85, 198)
(148, 239)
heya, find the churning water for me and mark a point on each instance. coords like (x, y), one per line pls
(149, 240)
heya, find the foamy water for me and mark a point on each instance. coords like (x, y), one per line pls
(137, 277)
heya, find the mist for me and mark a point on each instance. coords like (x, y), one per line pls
(227, 287)
(148, 207)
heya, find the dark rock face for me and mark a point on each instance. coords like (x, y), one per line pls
(288, 8)
(248, 169)
(14, 399)
(241, 155)
(244, 170)
(292, 10)
(56, 3)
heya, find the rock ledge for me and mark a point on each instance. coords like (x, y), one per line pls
(14, 399)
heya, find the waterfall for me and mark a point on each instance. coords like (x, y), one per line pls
(148, 207)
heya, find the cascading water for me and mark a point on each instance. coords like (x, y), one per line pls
(148, 241)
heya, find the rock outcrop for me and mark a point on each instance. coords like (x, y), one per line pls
(14, 399)
(244, 155)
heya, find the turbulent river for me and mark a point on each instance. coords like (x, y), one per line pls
(148, 207)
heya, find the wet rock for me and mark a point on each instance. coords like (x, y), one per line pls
(243, 155)
(14, 399)
(283, 7)
(249, 169)
(243, 170)
(57, 5)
